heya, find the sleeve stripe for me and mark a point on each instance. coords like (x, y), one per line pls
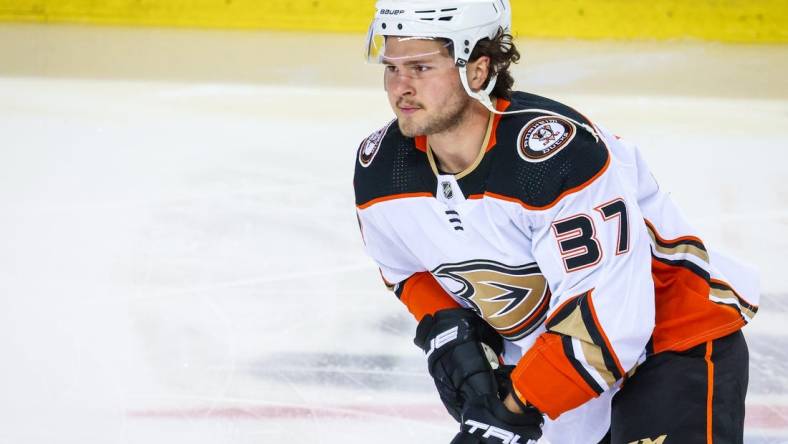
(570, 363)
(594, 362)
(682, 250)
(689, 265)
(564, 310)
(569, 351)
(721, 289)
(728, 297)
(671, 243)
(578, 320)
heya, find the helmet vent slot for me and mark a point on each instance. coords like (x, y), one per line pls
(445, 15)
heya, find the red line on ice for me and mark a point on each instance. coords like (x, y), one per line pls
(408, 411)
(758, 416)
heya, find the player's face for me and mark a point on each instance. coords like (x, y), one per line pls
(423, 86)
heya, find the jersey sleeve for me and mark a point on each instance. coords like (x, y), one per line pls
(413, 285)
(592, 246)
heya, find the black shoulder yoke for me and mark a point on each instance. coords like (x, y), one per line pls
(389, 164)
(544, 153)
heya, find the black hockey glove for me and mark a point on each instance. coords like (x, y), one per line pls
(462, 350)
(486, 420)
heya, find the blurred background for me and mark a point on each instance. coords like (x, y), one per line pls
(179, 254)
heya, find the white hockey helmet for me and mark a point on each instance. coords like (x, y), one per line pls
(464, 22)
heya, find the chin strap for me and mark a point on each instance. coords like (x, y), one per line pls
(483, 96)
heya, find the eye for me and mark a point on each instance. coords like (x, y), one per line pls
(421, 68)
(391, 68)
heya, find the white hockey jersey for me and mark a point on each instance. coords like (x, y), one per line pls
(557, 236)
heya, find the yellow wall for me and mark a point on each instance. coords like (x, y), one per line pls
(721, 20)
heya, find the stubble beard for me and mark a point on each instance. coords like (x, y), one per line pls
(447, 117)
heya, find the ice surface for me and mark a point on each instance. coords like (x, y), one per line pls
(180, 260)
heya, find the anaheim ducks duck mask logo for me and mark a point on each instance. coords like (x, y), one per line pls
(371, 145)
(513, 300)
(543, 137)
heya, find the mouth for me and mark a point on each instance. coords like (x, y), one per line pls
(408, 109)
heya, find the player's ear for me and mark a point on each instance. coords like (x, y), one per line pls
(478, 72)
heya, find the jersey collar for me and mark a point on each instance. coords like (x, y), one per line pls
(422, 144)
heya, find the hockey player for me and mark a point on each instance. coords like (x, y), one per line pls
(557, 289)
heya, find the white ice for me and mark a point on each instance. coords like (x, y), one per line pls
(179, 255)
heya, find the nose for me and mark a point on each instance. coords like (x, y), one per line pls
(398, 84)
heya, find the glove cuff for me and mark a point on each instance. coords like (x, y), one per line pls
(474, 328)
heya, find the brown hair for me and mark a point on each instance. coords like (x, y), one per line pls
(502, 54)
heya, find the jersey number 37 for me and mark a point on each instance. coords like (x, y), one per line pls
(577, 240)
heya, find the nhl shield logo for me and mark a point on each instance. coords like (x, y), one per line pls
(448, 193)
(543, 137)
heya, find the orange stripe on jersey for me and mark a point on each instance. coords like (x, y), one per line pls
(709, 393)
(671, 241)
(500, 105)
(423, 295)
(557, 199)
(392, 197)
(546, 378)
(685, 317)
(747, 304)
(560, 308)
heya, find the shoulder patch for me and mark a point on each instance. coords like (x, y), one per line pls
(543, 137)
(389, 164)
(371, 145)
(547, 151)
